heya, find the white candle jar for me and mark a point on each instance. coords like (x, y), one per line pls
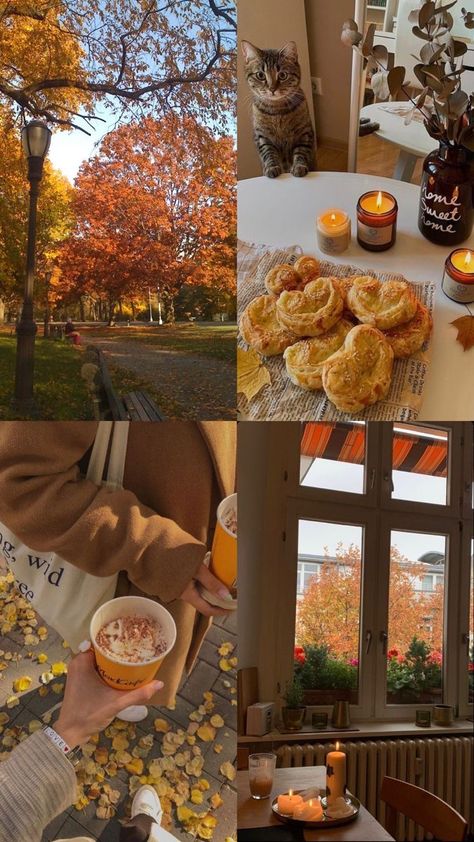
(333, 231)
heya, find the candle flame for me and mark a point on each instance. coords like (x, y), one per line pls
(379, 200)
(337, 744)
(290, 793)
(468, 259)
(310, 802)
(333, 217)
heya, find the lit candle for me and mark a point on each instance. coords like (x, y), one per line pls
(335, 775)
(287, 803)
(458, 278)
(333, 231)
(309, 811)
(376, 220)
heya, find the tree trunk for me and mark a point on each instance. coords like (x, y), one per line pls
(170, 316)
(134, 311)
(111, 312)
(82, 309)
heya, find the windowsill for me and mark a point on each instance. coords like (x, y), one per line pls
(366, 729)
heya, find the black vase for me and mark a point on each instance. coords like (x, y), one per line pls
(446, 202)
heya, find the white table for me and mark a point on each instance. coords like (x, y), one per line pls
(282, 212)
(413, 140)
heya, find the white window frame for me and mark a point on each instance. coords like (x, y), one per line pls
(378, 514)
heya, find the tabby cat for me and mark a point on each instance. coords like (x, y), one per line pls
(283, 131)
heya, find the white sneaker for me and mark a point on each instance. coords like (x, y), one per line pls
(146, 801)
(134, 713)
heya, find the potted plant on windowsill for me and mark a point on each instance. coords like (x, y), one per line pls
(324, 677)
(446, 213)
(293, 712)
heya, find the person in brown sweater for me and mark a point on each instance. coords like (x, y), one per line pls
(155, 531)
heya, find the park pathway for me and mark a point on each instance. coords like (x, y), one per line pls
(199, 387)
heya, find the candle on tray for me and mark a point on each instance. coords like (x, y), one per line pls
(458, 278)
(377, 220)
(309, 811)
(287, 803)
(335, 775)
(333, 231)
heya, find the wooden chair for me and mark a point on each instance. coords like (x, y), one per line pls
(425, 809)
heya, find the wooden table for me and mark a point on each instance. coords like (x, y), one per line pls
(282, 212)
(258, 814)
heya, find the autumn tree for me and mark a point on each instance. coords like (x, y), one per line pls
(154, 209)
(54, 215)
(328, 612)
(58, 59)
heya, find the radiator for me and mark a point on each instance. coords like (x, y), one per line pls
(443, 766)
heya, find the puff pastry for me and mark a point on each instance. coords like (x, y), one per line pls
(304, 360)
(282, 277)
(312, 311)
(260, 327)
(359, 374)
(344, 285)
(383, 305)
(409, 337)
(308, 267)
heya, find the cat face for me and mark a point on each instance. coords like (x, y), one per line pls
(272, 74)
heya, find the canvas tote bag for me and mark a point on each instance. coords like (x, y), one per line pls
(64, 596)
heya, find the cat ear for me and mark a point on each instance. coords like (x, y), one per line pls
(250, 52)
(290, 51)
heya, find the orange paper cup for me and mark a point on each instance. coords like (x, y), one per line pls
(124, 675)
(224, 546)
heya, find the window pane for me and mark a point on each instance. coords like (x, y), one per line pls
(327, 610)
(420, 464)
(333, 456)
(415, 631)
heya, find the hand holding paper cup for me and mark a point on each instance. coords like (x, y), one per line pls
(223, 563)
(131, 637)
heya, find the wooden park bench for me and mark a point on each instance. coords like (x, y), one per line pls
(134, 406)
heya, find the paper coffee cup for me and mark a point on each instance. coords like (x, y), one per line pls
(120, 674)
(224, 546)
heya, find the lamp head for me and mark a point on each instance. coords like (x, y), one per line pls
(35, 139)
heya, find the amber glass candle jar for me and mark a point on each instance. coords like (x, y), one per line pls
(458, 278)
(377, 220)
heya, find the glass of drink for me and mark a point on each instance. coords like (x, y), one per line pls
(261, 769)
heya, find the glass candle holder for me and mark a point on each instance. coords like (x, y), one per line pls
(261, 771)
(333, 231)
(423, 718)
(458, 277)
(377, 220)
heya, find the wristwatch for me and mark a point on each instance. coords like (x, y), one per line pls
(72, 754)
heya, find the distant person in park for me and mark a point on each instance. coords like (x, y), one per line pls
(38, 781)
(155, 532)
(71, 332)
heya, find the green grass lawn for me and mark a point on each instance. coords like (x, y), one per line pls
(208, 340)
(60, 392)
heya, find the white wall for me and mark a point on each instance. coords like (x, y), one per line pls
(331, 61)
(267, 24)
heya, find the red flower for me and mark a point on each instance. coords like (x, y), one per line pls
(470, 667)
(393, 653)
(299, 654)
(401, 659)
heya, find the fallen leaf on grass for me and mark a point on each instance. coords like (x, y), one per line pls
(252, 375)
(465, 328)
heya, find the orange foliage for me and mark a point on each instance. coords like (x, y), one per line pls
(329, 610)
(156, 206)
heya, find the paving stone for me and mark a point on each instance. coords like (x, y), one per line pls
(202, 678)
(213, 762)
(53, 830)
(218, 635)
(68, 830)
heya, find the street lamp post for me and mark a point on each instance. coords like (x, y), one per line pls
(160, 320)
(35, 139)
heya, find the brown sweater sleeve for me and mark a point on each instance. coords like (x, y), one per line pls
(36, 784)
(44, 501)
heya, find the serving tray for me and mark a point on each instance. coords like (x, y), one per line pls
(326, 821)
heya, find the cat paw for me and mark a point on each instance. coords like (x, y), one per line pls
(299, 170)
(273, 172)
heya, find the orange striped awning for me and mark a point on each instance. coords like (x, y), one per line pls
(345, 442)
